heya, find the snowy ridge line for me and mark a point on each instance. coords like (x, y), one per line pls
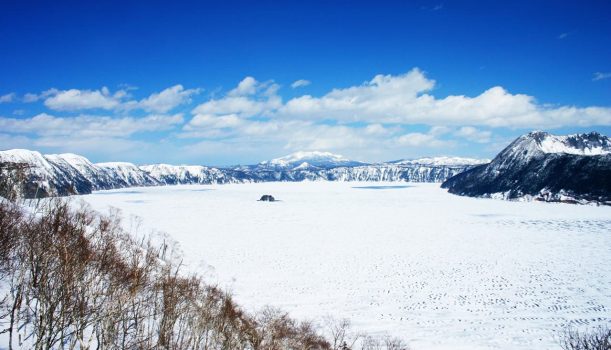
(544, 167)
(68, 174)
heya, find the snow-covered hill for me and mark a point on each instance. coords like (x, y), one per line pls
(187, 174)
(574, 168)
(66, 174)
(313, 159)
(46, 176)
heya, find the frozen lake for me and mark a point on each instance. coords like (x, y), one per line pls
(411, 260)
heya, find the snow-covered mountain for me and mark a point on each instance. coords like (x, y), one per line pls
(129, 174)
(66, 174)
(188, 174)
(414, 171)
(441, 161)
(540, 166)
(313, 159)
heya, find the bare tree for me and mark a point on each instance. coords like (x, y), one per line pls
(77, 280)
(595, 339)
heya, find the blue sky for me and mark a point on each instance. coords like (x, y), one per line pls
(229, 82)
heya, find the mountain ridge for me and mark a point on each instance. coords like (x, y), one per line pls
(541, 166)
(68, 173)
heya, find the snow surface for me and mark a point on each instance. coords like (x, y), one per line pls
(560, 144)
(440, 271)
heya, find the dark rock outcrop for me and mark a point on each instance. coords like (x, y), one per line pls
(267, 198)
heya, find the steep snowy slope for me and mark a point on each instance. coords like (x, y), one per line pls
(46, 177)
(187, 174)
(81, 169)
(544, 167)
(128, 174)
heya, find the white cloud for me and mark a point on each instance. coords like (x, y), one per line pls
(9, 141)
(10, 97)
(30, 97)
(382, 116)
(74, 99)
(375, 115)
(563, 36)
(425, 140)
(167, 99)
(250, 98)
(88, 126)
(300, 83)
(248, 86)
(473, 134)
(377, 100)
(406, 99)
(415, 139)
(77, 100)
(601, 76)
(213, 121)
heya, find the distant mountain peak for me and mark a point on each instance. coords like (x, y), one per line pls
(542, 166)
(310, 158)
(587, 144)
(67, 174)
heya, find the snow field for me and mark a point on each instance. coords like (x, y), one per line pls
(411, 260)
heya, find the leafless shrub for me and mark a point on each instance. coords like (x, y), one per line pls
(395, 344)
(341, 336)
(76, 280)
(595, 339)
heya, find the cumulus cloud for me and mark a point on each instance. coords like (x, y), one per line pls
(398, 115)
(406, 99)
(167, 99)
(78, 100)
(32, 97)
(250, 98)
(10, 97)
(74, 99)
(88, 126)
(248, 86)
(430, 139)
(300, 83)
(378, 114)
(473, 134)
